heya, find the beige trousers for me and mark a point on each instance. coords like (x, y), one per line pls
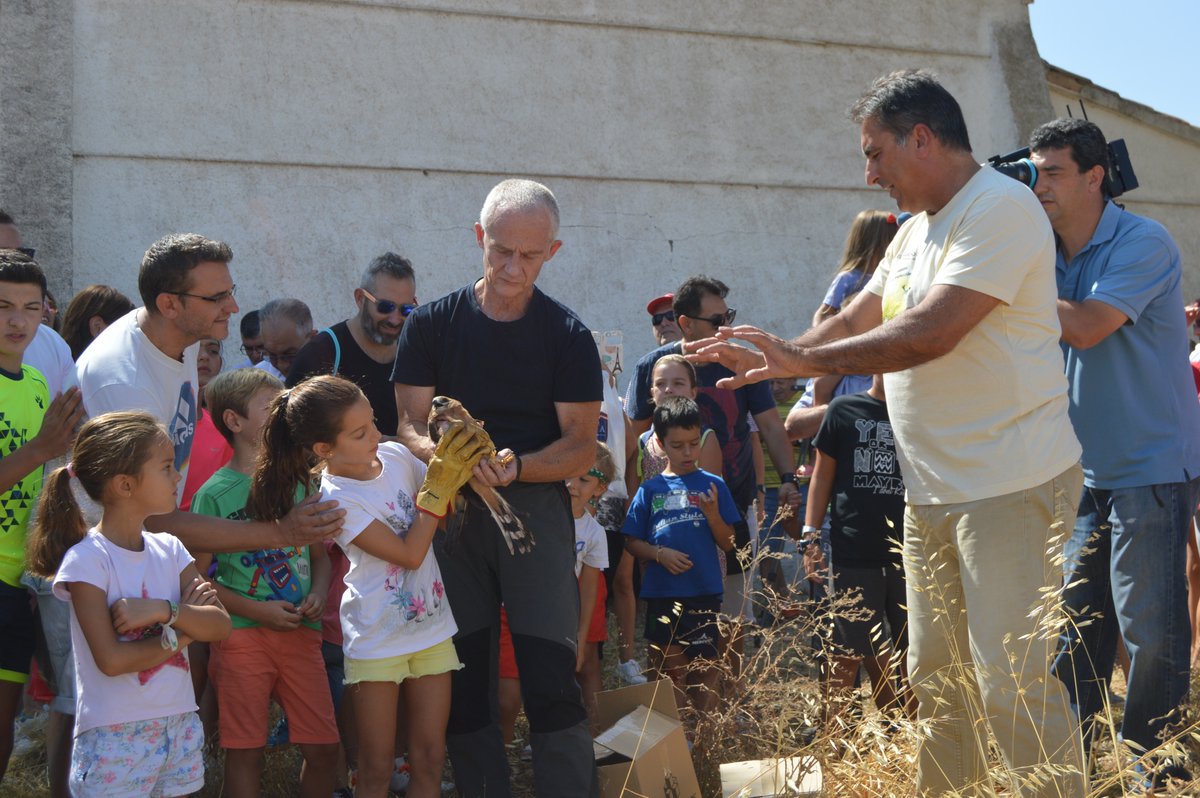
(984, 590)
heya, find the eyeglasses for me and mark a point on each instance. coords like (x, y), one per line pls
(386, 306)
(280, 357)
(717, 320)
(659, 318)
(216, 299)
(253, 350)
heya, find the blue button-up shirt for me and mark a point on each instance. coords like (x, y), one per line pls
(1133, 401)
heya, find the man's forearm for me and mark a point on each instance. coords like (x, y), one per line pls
(563, 459)
(416, 438)
(210, 534)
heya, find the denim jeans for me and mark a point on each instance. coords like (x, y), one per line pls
(1125, 576)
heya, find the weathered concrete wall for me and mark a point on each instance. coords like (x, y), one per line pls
(1165, 153)
(36, 55)
(681, 136)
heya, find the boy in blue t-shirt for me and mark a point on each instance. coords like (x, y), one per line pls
(675, 524)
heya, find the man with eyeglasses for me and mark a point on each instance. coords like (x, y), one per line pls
(146, 360)
(363, 347)
(285, 325)
(662, 319)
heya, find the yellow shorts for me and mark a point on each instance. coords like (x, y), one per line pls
(440, 658)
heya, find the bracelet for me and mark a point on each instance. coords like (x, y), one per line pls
(517, 478)
(788, 479)
(169, 639)
(658, 554)
(815, 530)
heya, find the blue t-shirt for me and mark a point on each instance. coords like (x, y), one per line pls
(844, 285)
(1133, 402)
(666, 512)
(721, 409)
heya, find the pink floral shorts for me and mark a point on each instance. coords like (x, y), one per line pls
(158, 757)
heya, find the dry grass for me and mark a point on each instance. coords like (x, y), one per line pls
(863, 754)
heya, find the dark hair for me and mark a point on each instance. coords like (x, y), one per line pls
(96, 300)
(233, 390)
(249, 326)
(1083, 138)
(107, 446)
(395, 266)
(5, 218)
(17, 267)
(692, 292)
(300, 418)
(166, 265)
(902, 100)
(676, 412)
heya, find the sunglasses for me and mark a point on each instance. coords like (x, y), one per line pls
(659, 318)
(717, 320)
(386, 306)
(213, 298)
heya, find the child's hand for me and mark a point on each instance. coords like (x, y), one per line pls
(131, 614)
(279, 616)
(676, 562)
(59, 423)
(708, 503)
(199, 593)
(313, 606)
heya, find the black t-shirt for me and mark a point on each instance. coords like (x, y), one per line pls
(868, 491)
(507, 374)
(375, 379)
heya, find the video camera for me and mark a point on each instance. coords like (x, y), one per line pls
(1120, 177)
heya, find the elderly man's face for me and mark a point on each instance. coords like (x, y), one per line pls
(666, 328)
(282, 339)
(515, 246)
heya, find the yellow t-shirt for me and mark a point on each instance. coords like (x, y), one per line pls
(990, 417)
(23, 402)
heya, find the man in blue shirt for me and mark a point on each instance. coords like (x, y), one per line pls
(1133, 405)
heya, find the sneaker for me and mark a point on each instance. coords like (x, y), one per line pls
(279, 734)
(527, 753)
(344, 792)
(29, 732)
(630, 672)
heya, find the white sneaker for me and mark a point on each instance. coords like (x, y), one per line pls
(400, 776)
(630, 672)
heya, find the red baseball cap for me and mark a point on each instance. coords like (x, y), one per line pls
(667, 299)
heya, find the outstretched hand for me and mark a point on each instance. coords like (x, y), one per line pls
(772, 357)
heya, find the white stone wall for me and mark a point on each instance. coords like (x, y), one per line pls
(681, 136)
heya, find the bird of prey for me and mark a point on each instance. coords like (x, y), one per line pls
(442, 413)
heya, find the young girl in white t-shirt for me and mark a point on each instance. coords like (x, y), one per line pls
(396, 620)
(136, 602)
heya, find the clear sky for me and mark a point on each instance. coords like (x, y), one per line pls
(1144, 50)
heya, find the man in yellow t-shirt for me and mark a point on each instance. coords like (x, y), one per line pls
(978, 404)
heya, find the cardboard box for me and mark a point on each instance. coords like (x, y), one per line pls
(642, 751)
(793, 777)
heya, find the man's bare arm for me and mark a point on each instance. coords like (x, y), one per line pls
(573, 453)
(1087, 323)
(413, 403)
(309, 522)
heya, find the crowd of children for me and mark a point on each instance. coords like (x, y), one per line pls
(159, 631)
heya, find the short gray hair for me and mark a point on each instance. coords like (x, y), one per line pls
(280, 310)
(520, 195)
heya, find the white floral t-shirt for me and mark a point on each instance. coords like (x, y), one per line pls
(387, 611)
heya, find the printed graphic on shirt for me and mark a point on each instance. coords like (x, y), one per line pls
(416, 603)
(682, 505)
(281, 571)
(896, 298)
(176, 660)
(875, 466)
(182, 426)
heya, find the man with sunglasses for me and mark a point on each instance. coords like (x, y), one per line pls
(363, 347)
(662, 319)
